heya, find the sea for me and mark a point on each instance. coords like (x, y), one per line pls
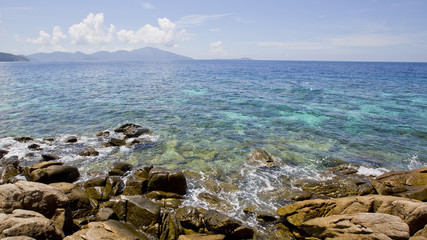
(208, 116)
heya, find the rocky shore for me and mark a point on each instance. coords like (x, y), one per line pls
(47, 199)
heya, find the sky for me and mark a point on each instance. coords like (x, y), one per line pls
(330, 30)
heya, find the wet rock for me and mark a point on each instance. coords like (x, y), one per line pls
(357, 226)
(158, 195)
(10, 170)
(167, 180)
(135, 186)
(243, 232)
(103, 134)
(120, 169)
(98, 193)
(222, 224)
(114, 185)
(279, 232)
(344, 182)
(79, 201)
(410, 184)
(110, 229)
(115, 142)
(261, 157)
(50, 172)
(131, 130)
(142, 212)
(35, 147)
(202, 237)
(25, 223)
(23, 139)
(170, 228)
(3, 153)
(89, 152)
(95, 182)
(412, 212)
(49, 157)
(105, 214)
(190, 218)
(214, 201)
(266, 217)
(71, 139)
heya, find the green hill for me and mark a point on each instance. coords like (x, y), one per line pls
(7, 57)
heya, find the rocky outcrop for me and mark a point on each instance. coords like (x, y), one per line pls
(50, 172)
(110, 229)
(357, 226)
(78, 199)
(412, 212)
(24, 223)
(221, 224)
(120, 168)
(410, 184)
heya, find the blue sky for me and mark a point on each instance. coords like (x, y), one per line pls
(347, 30)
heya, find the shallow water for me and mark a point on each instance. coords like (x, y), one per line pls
(207, 116)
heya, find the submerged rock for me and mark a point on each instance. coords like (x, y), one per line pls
(410, 184)
(23, 139)
(71, 139)
(89, 152)
(259, 157)
(3, 153)
(131, 130)
(115, 142)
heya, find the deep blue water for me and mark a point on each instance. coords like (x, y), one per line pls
(212, 114)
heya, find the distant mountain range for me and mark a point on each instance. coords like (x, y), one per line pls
(7, 57)
(142, 54)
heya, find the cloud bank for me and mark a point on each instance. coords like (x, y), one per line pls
(91, 30)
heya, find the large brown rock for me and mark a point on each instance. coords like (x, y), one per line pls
(10, 169)
(50, 172)
(357, 226)
(142, 212)
(110, 229)
(120, 168)
(222, 224)
(79, 200)
(167, 180)
(410, 184)
(412, 212)
(28, 223)
(34, 196)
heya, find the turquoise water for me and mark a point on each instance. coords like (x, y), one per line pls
(208, 116)
(212, 114)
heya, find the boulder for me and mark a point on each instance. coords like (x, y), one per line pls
(412, 212)
(49, 157)
(202, 237)
(110, 229)
(131, 130)
(115, 142)
(79, 200)
(98, 193)
(261, 157)
(410, 184)
(96, 182)
(25, 223)
(71, 139)
(135, 186)
(34, 196)
(170, 228)
(50, 172)
(190, 218)
(105, 214)
(89, 152)
(114, 185)
(221, 224)
(35, 147)
(10, 170)
(120, 169)
(3, 153)
(167, 180)
(142, 212)
(23, 139)
(103, 134)
(357, 226)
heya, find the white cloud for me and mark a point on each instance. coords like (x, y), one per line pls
(91, 30)
(148, 5)
(197, 20)
(48, 39)
(165, 35)
(217, 48)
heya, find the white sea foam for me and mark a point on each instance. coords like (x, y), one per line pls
(367, 171)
